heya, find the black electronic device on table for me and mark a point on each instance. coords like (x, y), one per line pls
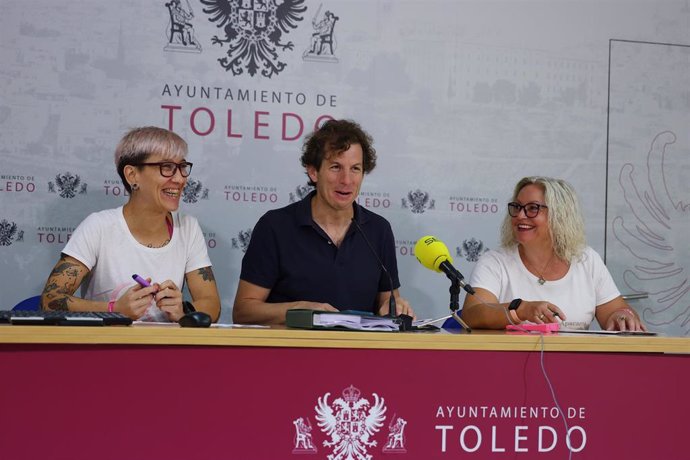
(195, 319)
(63, 318)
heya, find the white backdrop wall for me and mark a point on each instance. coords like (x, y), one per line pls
(462, 99)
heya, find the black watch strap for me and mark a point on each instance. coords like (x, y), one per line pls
(514, 304)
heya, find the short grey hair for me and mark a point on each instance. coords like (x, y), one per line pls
(140, 143)
(566, 224)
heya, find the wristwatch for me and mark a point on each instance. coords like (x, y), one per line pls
(512, 309)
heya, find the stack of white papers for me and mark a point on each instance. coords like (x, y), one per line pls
(356, 322)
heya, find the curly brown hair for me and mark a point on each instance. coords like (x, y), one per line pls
(333, 138)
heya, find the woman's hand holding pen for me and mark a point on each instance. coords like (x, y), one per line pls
(539, 312)
(169, 299)
(134, 302)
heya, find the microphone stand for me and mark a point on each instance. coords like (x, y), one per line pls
(404, 321)
(456, 284)
(454, 290)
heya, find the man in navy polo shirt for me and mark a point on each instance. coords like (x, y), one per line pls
(310, 254)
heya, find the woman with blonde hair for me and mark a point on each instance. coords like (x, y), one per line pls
(544, 271)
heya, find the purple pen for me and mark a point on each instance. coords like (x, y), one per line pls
(140, 280)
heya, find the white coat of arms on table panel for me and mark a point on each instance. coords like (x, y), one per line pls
(350, 423)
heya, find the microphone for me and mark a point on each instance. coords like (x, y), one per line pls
(434, 255)
(392, 308)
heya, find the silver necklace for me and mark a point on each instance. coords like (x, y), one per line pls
(541, 279)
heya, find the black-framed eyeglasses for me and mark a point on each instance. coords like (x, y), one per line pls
(531, 209)
(169, 168)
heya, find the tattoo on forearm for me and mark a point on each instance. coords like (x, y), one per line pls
(66, 268)
(59, 289)
(59, 304)
(62, 283)
(50, 287)
(206, 274)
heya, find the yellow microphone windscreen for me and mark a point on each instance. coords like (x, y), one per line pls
(431, 252)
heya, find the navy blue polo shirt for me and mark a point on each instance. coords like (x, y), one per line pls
(293, 257)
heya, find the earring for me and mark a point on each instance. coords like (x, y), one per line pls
(135, 187)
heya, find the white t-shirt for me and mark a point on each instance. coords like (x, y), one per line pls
(587, 284)
(105, 245)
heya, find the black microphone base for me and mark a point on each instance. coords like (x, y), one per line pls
(405, 322)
